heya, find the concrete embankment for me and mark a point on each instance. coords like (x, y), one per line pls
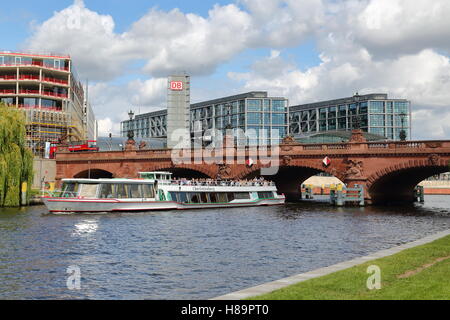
(285, 282)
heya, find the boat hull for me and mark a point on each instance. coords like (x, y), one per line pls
(63, 205)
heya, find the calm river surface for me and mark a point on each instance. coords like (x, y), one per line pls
(194, 254)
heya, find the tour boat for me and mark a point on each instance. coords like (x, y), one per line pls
(158, 191)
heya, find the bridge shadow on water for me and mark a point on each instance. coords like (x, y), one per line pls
(320, 204)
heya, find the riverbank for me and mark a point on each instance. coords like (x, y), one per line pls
(416, 270)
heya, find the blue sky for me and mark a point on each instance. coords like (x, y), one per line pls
(305, 50)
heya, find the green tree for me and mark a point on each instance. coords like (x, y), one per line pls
(16, 160)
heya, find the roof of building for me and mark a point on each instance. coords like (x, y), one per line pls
(335, 136)
(251, 94)
(353, 99)
(118, 143)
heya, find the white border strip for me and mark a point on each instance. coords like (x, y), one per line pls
(281, 283)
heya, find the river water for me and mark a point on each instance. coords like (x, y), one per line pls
(196, 254)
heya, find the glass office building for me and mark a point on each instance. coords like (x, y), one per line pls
(373, 113)
(264, 119)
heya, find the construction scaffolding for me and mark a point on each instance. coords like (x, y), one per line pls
(46, 126)
(45, 88)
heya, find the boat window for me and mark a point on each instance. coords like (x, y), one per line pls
(203, 197)
(162, 196)
(241, 195)
(230, 196)
(173, 196)
(194, 198)
(69, 189)
(222, 197)
(265, 195)
(122, 192)
(134, 190)
(88, 190)
(183, 197)
(106, 191)
(148, 191)
(213, 197)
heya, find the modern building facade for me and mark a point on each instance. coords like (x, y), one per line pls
(265, 118)
(373, 113)
(178, 103)
(46, 89)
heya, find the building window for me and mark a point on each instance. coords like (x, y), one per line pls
(377, 120)
(278, 118)
(378, 131)
(342, 111)
(389, 108)
(279, 105)
(376, 107)
(401, 107)
(253, 105)
(254, 118)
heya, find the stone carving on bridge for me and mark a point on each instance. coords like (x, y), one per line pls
(224, 171)
(357, 136)
(286, 160)
(287, 142)
(130, 145)
(354, 169)
(433, 159)
(433, 144)
(124, 172)
(142, 145)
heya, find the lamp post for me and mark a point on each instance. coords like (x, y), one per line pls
(110, 141)
(130, 127)
(402, 134)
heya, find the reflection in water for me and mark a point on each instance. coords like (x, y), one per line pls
(85, 227)
(194, 254)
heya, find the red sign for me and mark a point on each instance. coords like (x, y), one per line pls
(176, 85)
(326, 161)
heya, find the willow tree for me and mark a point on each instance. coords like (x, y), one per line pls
(16, 160)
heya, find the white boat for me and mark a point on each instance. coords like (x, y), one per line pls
(158, 191)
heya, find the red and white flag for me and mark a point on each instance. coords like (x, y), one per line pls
(249, 162)
(326, 161)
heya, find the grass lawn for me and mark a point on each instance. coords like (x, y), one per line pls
(421, 272)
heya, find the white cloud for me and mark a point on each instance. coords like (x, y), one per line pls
(106, 126)
(112, 102)
(404, 26)
(87, 36)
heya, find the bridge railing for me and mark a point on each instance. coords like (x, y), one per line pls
(265, 150)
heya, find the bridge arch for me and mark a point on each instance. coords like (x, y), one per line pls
(93, 174)
(290, 177)
(395, 183)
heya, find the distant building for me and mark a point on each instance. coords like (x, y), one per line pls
(248, 111)
(46, 89)
(178, 102)
(373, 113)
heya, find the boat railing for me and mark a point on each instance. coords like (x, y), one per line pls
(217, 183)
(59, 194)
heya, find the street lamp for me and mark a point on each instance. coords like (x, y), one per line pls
(402, 134)
(130, 127)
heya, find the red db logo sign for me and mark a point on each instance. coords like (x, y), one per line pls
(176, 85)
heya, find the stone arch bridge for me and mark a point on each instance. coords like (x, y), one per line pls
(389, 171)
